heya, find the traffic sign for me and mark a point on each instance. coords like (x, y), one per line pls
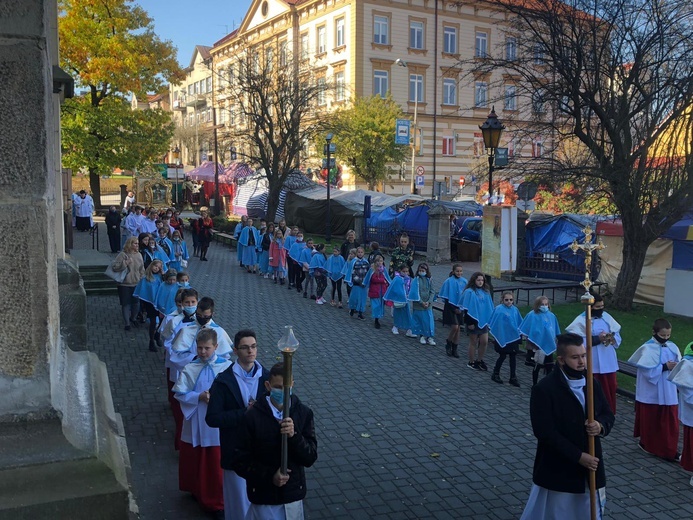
(420, 180)
(402, 131)
(333, 148)
(420, 170)
(501, 157)
(332, 162)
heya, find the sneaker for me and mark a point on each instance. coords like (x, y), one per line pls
(643, 448)
(320, 301)
(377, 324)
(395, 330)
(677, 458)
(481, 365)
(422, 340)
(448, 348)
(472, 365)
(431, 342)
(351, 312)
(332, 303)
(513, 381)
(496, 379)
(361, 316)
(339, 305)
(410, 334)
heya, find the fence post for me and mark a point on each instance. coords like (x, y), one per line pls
(438, 245)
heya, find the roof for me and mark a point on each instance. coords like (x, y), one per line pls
(203, 50)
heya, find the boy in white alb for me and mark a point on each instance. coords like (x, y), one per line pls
(656, 402)
(682, 377)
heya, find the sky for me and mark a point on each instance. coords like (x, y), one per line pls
(194, 22)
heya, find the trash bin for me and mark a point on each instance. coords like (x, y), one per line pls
(468, 251)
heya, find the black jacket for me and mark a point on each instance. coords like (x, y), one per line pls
(558, 422)
(259, 456)
(346, 247)
(113, 223)
(226, 411)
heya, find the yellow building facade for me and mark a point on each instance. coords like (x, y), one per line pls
(376, 47)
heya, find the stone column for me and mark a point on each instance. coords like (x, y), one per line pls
(438, 249)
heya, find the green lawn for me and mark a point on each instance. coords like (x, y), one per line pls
(636, 329)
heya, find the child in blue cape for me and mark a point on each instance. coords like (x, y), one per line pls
(266, 236)
(398, 294)
(250, 240)
(357, 269)
(237, 235)
(451, 292)
(146, 291)
(295, 266)
(421, 294)
(307, 279)
(477, 303)
(289, 241)
(318, 272)
(334, 266)
(166, 295)
(180, 252)
(377, 281)
(540, 327)
(505, 329)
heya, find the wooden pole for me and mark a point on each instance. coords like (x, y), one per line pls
(588, 300)
(288, 378)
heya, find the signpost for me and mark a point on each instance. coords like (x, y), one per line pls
(420, 181)
(420, 170)
(501, 157)
(402, 131)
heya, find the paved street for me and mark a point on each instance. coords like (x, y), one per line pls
(404, 432)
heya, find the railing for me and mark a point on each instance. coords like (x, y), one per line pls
(94, 232)
(551, 265)
(388, 236)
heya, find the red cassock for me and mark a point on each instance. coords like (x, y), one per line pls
(200, 473)
(658, 428)
(687, 455)
(608, 383)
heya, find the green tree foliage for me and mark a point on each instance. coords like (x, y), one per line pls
(110, 48)
(364, 134)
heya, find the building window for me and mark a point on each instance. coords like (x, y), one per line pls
(321, 92)
(538, 54)
(416, 88)
(283, 53)
(449, 91)
(209, 84)
(269, 58)
(479, 149)
(448, 146)
(537, 147)
(322, 39)
(510, 99)
(381, 30)
(538, 103)
(197, 87)
(232, 117)
(381, 83)
(450, 40)
(232, 75)
(416, 35)
(304, 46)
(222, 116)
(481, 45)
(480, 94)
(511, 48)
(339, 93)
(339, 36)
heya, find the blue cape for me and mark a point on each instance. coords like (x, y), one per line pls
(369, 274)
(452, 289)
(505, 324)
(306, 255)
(169, 257)
(296, 249)
(166, 298)
(334, 266)
(362, 263)
(317, 261)
(414, 295)
(147, 290)
(397, 291)
(243, 239)
(288, 242)
(237, 230)
(541, 328)
(478, 304)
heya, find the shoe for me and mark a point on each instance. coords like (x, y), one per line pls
(482, 365)
(204, 259)
(431, 342)
(332, 303)
(276, 281)
(152, 346)
(496, 378)
(305, 295)
(677, 458)
(454, 351)
(643, 448)
(395, 331)
(691, 481)
(351, 312)
(312, 297)
(290, 287)
(472, 365)
(410, 334)
(339, 305)
(320, 301)
(361, 316)
(448, 348)
(422, 340)
(135, 324)
(127, 327)
(513, 381)
(377, 323)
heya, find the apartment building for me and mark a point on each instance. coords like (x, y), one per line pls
(419, 51)
(191, 102)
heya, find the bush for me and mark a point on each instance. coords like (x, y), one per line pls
(224, 225)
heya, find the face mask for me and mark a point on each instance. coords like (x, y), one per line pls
(572, 373)
(422, 273)
(186, 284)
(659, 339)
(597, 313)
(176, 239)
(203, 320)
(544, 308)
(190, 310)
(277, 395)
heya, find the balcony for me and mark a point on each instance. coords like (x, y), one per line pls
(179, 104)
(196, 101)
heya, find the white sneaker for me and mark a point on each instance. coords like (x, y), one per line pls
(691, 481)
(410, 334)
(320, 301)
(395, 330)
(422, 340)
(432, 342)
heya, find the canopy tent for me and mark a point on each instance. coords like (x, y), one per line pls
(253, 193)
(681, 234)
(554, 234)
(467, 208)
(205, 173)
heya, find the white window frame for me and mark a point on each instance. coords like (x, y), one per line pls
(381, 30)
(269, 58)
(481, 44)
(510, 98)
(538, 147)
(449, 39)
(481, 101)
(283, 53)
(538, 54)
(305, 45)
(321, 39)
(322, 97)
(418, 90)
(209, 84)
(339, 32)
(449, 91)
(381, 83)
(339, 86)
(416, 34)
(511, 48)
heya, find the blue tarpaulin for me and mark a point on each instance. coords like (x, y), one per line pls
(555, 234)
(681, 235)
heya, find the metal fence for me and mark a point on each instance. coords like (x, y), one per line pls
(552, 265)
(388, 236)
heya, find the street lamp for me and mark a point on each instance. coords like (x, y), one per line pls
(403, 63)
(328, 226)
(176, 157)
(491, 130)
(287, 345)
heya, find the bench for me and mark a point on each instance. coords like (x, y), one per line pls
(544, 287)
(224, 238)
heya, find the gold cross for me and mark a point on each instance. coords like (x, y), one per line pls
(587, 247)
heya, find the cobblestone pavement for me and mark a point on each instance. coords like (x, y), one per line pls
(404, 432)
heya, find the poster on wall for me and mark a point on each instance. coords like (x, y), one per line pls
(491, 241)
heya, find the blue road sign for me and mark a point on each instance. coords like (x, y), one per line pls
(420, 181)
(402, 131)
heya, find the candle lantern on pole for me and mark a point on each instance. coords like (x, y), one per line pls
(287, 345)
(176, 157)
(491, 131)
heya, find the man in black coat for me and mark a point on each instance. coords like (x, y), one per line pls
(113, 219)
(559, 421)
(273, 494)
(233, 392)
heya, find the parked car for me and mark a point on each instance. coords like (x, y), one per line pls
(469, 228)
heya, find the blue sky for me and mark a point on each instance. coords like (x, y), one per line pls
(194, 22)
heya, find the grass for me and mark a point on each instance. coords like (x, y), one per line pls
(636, 329)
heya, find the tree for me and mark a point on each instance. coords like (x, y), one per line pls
(615, 75)
(364, 136)
(110, 48)
(277, 113)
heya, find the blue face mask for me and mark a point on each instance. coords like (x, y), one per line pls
(422, 273)
(185, 284)
(277, 395)
(544, 308)
(190, 310)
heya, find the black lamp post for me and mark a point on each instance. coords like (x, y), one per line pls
(176, 157)
(328, 227)
(491, 130)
